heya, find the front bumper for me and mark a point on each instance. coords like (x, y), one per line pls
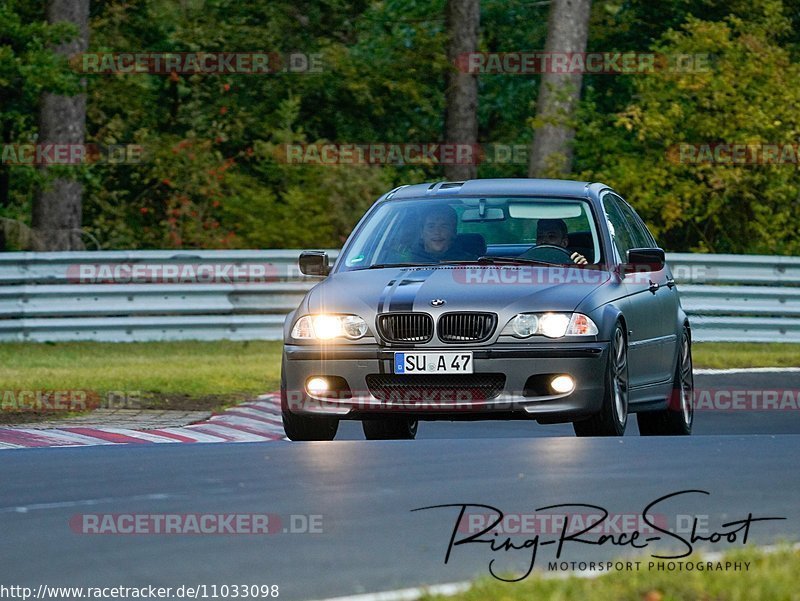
(519, 364)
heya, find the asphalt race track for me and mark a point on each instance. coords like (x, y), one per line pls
(365, 491)
(721, 388)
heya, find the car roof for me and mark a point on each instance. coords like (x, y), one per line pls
(495, 187)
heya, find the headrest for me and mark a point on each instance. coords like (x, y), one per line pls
(472, 243)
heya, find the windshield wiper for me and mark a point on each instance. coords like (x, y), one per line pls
(384, 265)
(489, 260)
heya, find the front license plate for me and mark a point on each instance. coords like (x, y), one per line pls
(433, 363)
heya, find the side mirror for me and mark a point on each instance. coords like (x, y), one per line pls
(314, 262)
(645, 259)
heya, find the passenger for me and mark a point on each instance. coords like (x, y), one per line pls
(438, 240)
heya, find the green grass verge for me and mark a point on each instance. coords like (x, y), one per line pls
(770, 577)
(746, 354)
(180, 375)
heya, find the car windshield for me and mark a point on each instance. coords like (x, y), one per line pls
(487, 229)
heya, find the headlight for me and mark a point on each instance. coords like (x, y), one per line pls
(303, 329)
(552, 325)
(327, 327)
(525, 324)
(353, 326)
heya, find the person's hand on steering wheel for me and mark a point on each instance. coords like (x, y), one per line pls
(541, 252)
(578, 259)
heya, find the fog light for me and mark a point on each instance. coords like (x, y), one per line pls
(562, 384)
(317, 386)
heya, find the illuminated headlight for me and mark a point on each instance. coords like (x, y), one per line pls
(551, 325)
(554, 325)
(327, 327)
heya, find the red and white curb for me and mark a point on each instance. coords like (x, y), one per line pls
(256, 421)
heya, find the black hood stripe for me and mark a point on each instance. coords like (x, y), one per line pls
(405, 293)
(387, 291)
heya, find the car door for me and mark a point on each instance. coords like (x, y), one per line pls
(645, 324)
(662, 287)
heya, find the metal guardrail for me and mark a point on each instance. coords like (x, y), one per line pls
(64, 267)
(735, 269)
(740, 298)
(244, 295)
(149, 295)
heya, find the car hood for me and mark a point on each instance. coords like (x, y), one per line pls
(500, 289)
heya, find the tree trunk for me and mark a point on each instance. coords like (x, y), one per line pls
(559, 93)
(62, 120)
(462, 20)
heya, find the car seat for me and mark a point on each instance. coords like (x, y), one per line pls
(581, 242)
(473, 244)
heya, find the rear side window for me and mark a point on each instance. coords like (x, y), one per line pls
(640, 235)
(618, 226)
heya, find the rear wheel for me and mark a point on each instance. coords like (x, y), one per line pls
(390, 429)
(678, 417)
(613, 415)
(305, 427)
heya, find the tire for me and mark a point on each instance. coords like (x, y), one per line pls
(301, 427)
(390, 429)
(613, 415)
(678, 417)
(304, 427)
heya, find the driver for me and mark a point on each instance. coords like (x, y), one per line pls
(554, 233)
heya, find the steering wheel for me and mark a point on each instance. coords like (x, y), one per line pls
(549, 253)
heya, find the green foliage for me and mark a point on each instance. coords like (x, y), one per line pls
(27, 67)
(212, 175)
(748, 94)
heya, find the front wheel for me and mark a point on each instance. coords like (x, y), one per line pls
(302, 427)
(390, 429)
(678, 417)
(613, 415)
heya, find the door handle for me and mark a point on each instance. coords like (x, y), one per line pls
(670, 283)
(654, 286)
